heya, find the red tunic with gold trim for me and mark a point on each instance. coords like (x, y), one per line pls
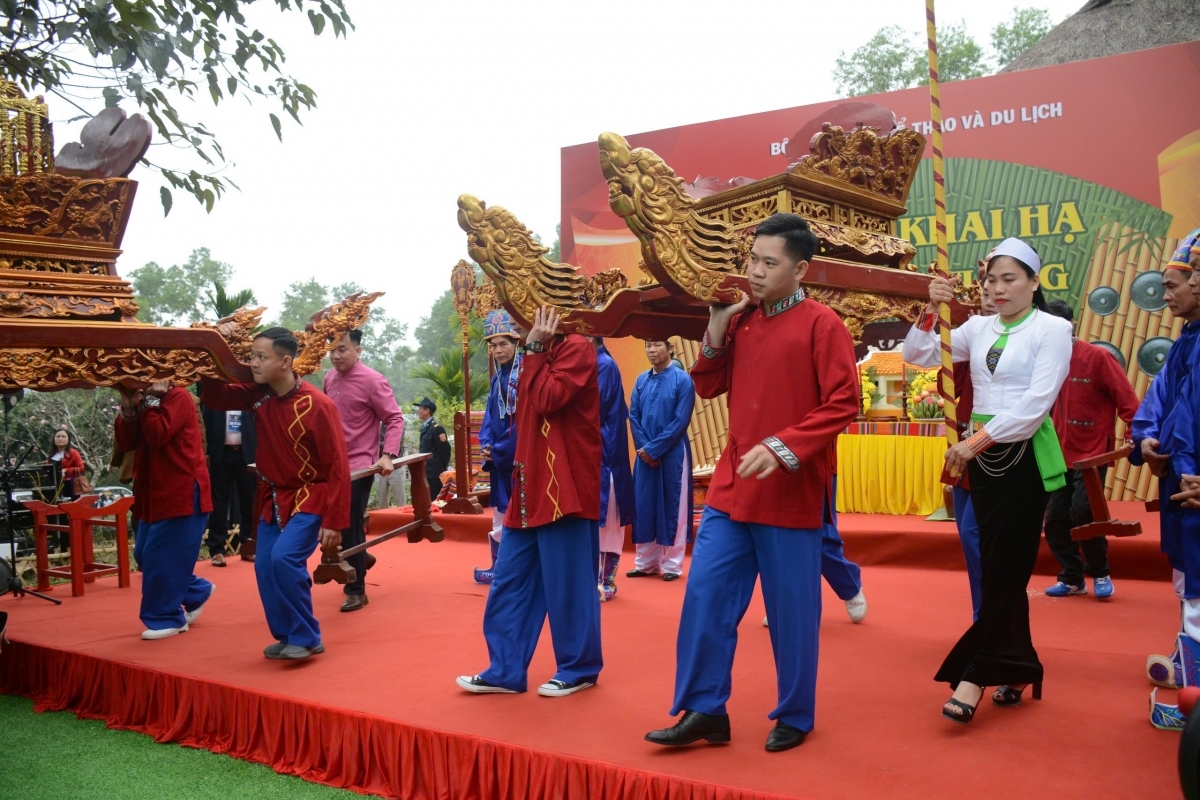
(793, 385)
(556, 470)
(301, 456)
(1095, 393)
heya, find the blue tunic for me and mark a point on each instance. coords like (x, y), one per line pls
(659, 413)
(1181, 440)
(1164, 415)
(499, 430)
(614, 440)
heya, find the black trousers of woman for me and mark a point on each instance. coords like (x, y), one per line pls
(998, 648)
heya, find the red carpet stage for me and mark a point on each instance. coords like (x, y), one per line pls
(884, 540)
(379, 712)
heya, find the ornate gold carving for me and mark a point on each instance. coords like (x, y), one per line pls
(753, 213)
(63, 267)
(486, 299)
(244, 320)
(15, 303)
(868, 244)
(328, 325)
(46, 369)
(697, 253)
(881, 165)
(63, 207)
(603, 286)
(462, 288)
(26, 137)
(869, 222)
(515, 262)
(812, 210)
(647, 278)
(857, 309)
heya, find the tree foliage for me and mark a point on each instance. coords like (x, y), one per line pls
(161, 55)
(1024, 29)
(444, 380)
(179, 294)
(897, 59)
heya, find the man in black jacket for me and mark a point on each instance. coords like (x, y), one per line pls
(230, 441)
(433, 440)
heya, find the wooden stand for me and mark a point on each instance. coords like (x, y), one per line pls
(464, 501)
(334, 567)
(1103, 524)
(84, 518)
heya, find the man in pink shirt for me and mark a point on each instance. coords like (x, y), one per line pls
(365, 401)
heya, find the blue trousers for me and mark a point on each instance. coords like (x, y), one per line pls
(166, 553)
(842, 575)
(726, 560)
(968, 535)
(548, 570)
(284, 585)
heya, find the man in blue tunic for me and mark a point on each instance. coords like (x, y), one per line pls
(659, 413)
(498, 432)
(616, 481)
(1153, 435)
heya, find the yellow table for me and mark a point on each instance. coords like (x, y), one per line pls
(889, 474)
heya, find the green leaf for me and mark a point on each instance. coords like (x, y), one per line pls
(318, 22)
(275, 125)
(164, 194)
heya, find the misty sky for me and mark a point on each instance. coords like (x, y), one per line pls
(426, 101)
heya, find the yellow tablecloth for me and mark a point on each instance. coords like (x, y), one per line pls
(890, 474)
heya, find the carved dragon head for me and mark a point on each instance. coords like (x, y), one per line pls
(323, 330)
(516, 262)
(681, 248)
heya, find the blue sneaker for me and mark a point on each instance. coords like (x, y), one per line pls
(1061, 589)
(1104, 588)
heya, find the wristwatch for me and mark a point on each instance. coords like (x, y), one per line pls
(534, 347)
(391, 456)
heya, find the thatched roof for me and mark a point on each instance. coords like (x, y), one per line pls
(1109, 27)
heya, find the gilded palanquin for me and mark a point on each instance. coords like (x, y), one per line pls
(67, 319)
(851, 187)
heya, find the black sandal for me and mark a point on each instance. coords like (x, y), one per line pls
(965, 712)
(1009, 697)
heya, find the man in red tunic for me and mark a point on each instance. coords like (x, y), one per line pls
(304, 485)
(172, 500)
(788, 367)
(1097, 391)
(551, 536)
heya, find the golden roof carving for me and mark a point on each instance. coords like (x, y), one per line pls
(883, 165)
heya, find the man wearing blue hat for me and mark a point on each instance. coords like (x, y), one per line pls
(498, 432)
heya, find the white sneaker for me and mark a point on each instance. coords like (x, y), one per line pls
(554, 688)
(477, 685)
(765, 625)
(163, 633)
(190, 617)
(856, 607)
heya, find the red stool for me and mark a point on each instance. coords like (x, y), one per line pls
(84, 518)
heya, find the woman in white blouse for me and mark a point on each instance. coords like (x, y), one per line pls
(1019, 360)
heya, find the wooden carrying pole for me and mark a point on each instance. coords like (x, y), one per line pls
(939, 208)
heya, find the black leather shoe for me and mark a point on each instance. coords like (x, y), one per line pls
(670, 576)
(637, 573)
(354, 602)
(692, 727)
(370, 561)
(784, 737)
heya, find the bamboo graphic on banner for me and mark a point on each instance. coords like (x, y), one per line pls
(939, 209)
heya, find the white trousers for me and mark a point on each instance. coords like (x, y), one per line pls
(1191, 608)
(612, 535)
(393, 488)
(655, 557)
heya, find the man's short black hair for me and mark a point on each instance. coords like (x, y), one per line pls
(799, 242)
(1059, 308)
(283, 340)
(355, 336)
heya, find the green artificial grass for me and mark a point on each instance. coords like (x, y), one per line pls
(57, 755)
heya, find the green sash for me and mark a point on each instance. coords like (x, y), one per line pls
(1050, 461)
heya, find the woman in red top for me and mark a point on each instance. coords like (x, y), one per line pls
(71, 461)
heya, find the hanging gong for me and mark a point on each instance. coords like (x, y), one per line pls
(1104, 301)
(1152, 355)
(1112, 348)
(1146, 291)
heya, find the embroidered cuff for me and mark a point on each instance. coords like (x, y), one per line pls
(926, 320)
(709, 351)
(150, 401)
(979, 441)
(781, 451)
